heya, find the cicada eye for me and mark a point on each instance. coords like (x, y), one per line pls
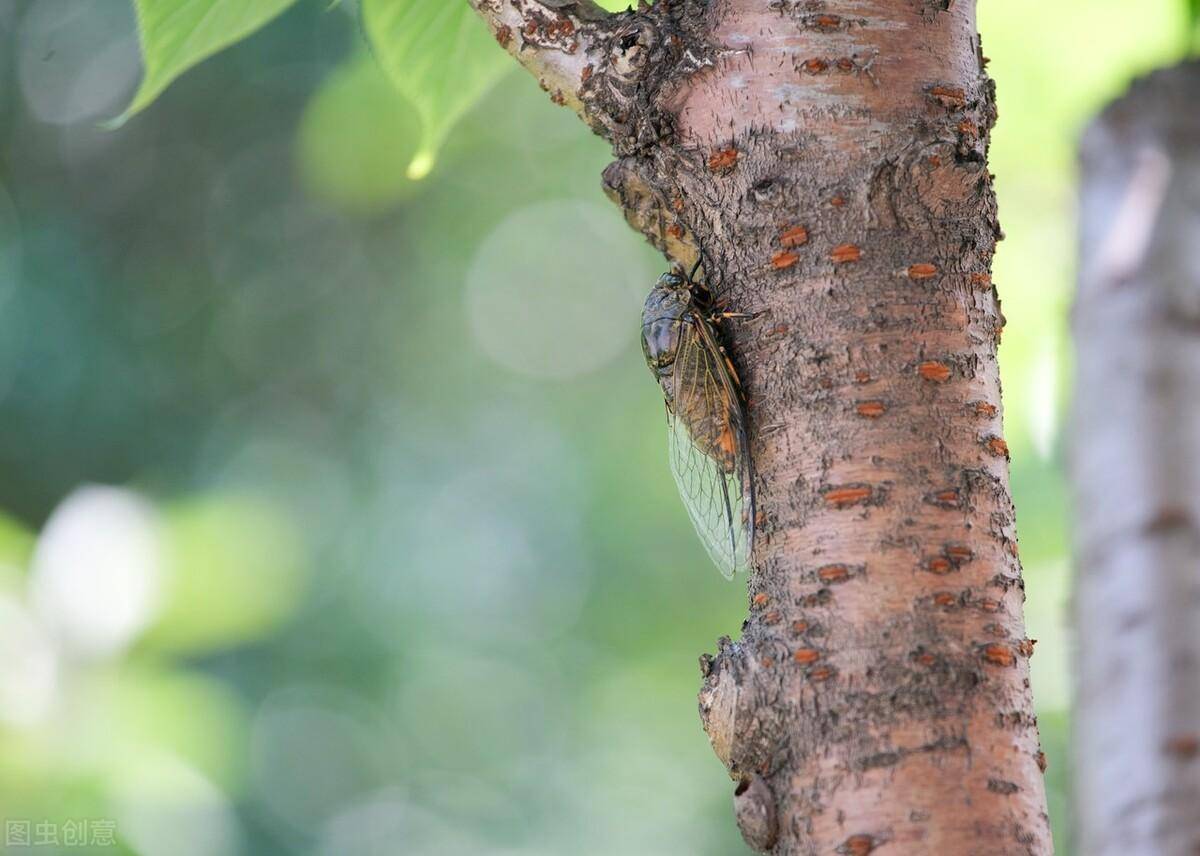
(660, 341)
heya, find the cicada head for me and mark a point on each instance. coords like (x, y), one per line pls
(674, 280)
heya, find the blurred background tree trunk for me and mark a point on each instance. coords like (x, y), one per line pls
(830, 159)
(1136, 472)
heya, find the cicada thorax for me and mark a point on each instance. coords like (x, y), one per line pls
(668, 307)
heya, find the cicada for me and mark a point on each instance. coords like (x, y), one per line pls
(706, 419)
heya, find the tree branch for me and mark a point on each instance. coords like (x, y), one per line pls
(833, 167)
(614, 69)
(560, 42)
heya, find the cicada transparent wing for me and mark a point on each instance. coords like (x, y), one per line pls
(708, 448)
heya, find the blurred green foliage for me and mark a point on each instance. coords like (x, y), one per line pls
(356, 139)
(235, 569)
(413, 575)
(88, 732)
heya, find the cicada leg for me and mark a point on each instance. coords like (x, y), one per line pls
(721, 315)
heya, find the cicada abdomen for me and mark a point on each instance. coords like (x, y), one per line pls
(706, 421)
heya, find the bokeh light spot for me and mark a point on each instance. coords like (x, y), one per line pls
(356, 134)
(549, 291)
(76, 61)
(29, 678)
(97, 570)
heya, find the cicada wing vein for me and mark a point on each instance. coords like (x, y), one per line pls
(713, 499)
(708, 454)
(731, 383)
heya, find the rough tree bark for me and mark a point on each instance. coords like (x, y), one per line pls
(1136, 473)
(830, 158)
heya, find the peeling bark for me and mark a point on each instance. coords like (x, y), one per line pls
(1136, 473)
(830, 159)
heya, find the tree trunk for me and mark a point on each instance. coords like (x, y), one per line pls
(1136, 472)
(829, 158)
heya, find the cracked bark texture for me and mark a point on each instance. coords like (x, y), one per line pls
(1136, 474)
(830, 159)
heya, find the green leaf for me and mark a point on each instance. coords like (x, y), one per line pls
(177, 34)
(440, 56)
